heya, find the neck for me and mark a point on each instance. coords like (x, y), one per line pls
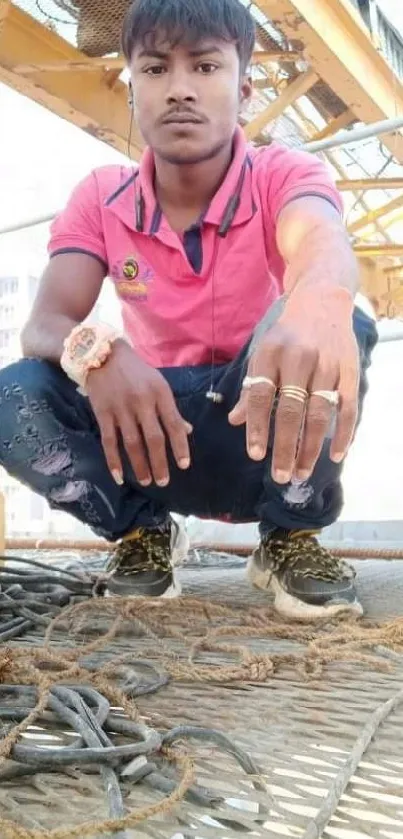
(185, 190)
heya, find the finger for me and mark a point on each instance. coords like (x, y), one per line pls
(155, 441)
(259, 407)
(288, 425)
(297, 369)
(347, 413)
(176, 427)
(239, 412)
(110, 446)
(134, 445)
(260, 400)
(238, 415)
(318, 416)
(317, 419)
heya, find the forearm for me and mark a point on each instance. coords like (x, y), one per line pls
(324, 264)
(43, 336)
(61, 304)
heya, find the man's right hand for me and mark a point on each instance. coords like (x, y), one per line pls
(129, 396)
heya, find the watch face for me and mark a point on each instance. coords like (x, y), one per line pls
(84, 341)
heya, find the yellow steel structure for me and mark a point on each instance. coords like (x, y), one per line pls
(370, 183)
(326, 46)
(329, 35)
(293, 91)
(342, 121)
(89, 100)
(337, 45)
(374, 215)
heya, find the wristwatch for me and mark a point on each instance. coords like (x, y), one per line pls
(87, 348)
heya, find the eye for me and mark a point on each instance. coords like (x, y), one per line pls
(207, 67)
(155, 70)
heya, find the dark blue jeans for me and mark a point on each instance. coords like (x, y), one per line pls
(49, 440)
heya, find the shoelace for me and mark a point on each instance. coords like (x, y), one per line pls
(307, 557)
(148, 550)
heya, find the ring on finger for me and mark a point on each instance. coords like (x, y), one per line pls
(331, 396)
(294, 392)
(249, 381)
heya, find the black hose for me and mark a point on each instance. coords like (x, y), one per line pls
(88, 714)
(35, 593)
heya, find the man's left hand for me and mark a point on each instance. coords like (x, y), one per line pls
(311, 347)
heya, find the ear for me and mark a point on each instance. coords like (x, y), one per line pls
(245, 90)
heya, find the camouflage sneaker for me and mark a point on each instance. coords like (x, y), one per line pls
(308, 582)
(143, 564)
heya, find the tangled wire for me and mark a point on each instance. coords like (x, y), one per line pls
(31, 593)
(48, 684)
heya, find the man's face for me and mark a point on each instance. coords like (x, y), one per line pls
(187, 98)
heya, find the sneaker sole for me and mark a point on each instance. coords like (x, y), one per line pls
(173, 591)
(292, 607)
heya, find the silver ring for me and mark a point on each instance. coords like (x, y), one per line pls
(249, 381)
(331, 396)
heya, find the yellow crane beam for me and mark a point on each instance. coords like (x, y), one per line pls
(290, 94)
(264, 56)
(118, 62)
(369, 183)
(343, 121)
(336, 43)
(332, 37)
(374, 215)
(379, 250)
(85, 66)
(86, 99)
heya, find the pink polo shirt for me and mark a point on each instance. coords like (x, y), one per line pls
(172, 288)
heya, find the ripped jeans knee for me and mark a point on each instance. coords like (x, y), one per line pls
(49, 441)
(55, 464)
(33, 416)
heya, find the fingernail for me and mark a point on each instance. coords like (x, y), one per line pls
(282, 477)
(256, 452)
(302, 475)
(189, 428)
(338, 457)
(145, 482)
(117, 476)
(163, 482)
(184, 463)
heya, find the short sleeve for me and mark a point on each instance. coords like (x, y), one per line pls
(78, 228)
(296, 174)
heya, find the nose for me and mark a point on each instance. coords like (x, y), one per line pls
(181, 88)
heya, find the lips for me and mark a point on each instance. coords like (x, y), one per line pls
(182, 119)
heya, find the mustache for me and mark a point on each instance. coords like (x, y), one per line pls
(181, 115)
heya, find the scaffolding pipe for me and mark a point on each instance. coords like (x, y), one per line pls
(99, 545)
(341, 138)
(23, 225)
(355, 135)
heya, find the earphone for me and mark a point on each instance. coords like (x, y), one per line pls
(226, 221)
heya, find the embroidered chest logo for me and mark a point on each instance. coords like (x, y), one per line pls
(132, 278)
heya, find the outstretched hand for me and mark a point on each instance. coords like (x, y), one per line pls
(131, 399)
(311, 348)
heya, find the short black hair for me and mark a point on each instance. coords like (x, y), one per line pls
(189, 21)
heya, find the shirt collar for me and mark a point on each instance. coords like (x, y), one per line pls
(238, 177)
(233, 182)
